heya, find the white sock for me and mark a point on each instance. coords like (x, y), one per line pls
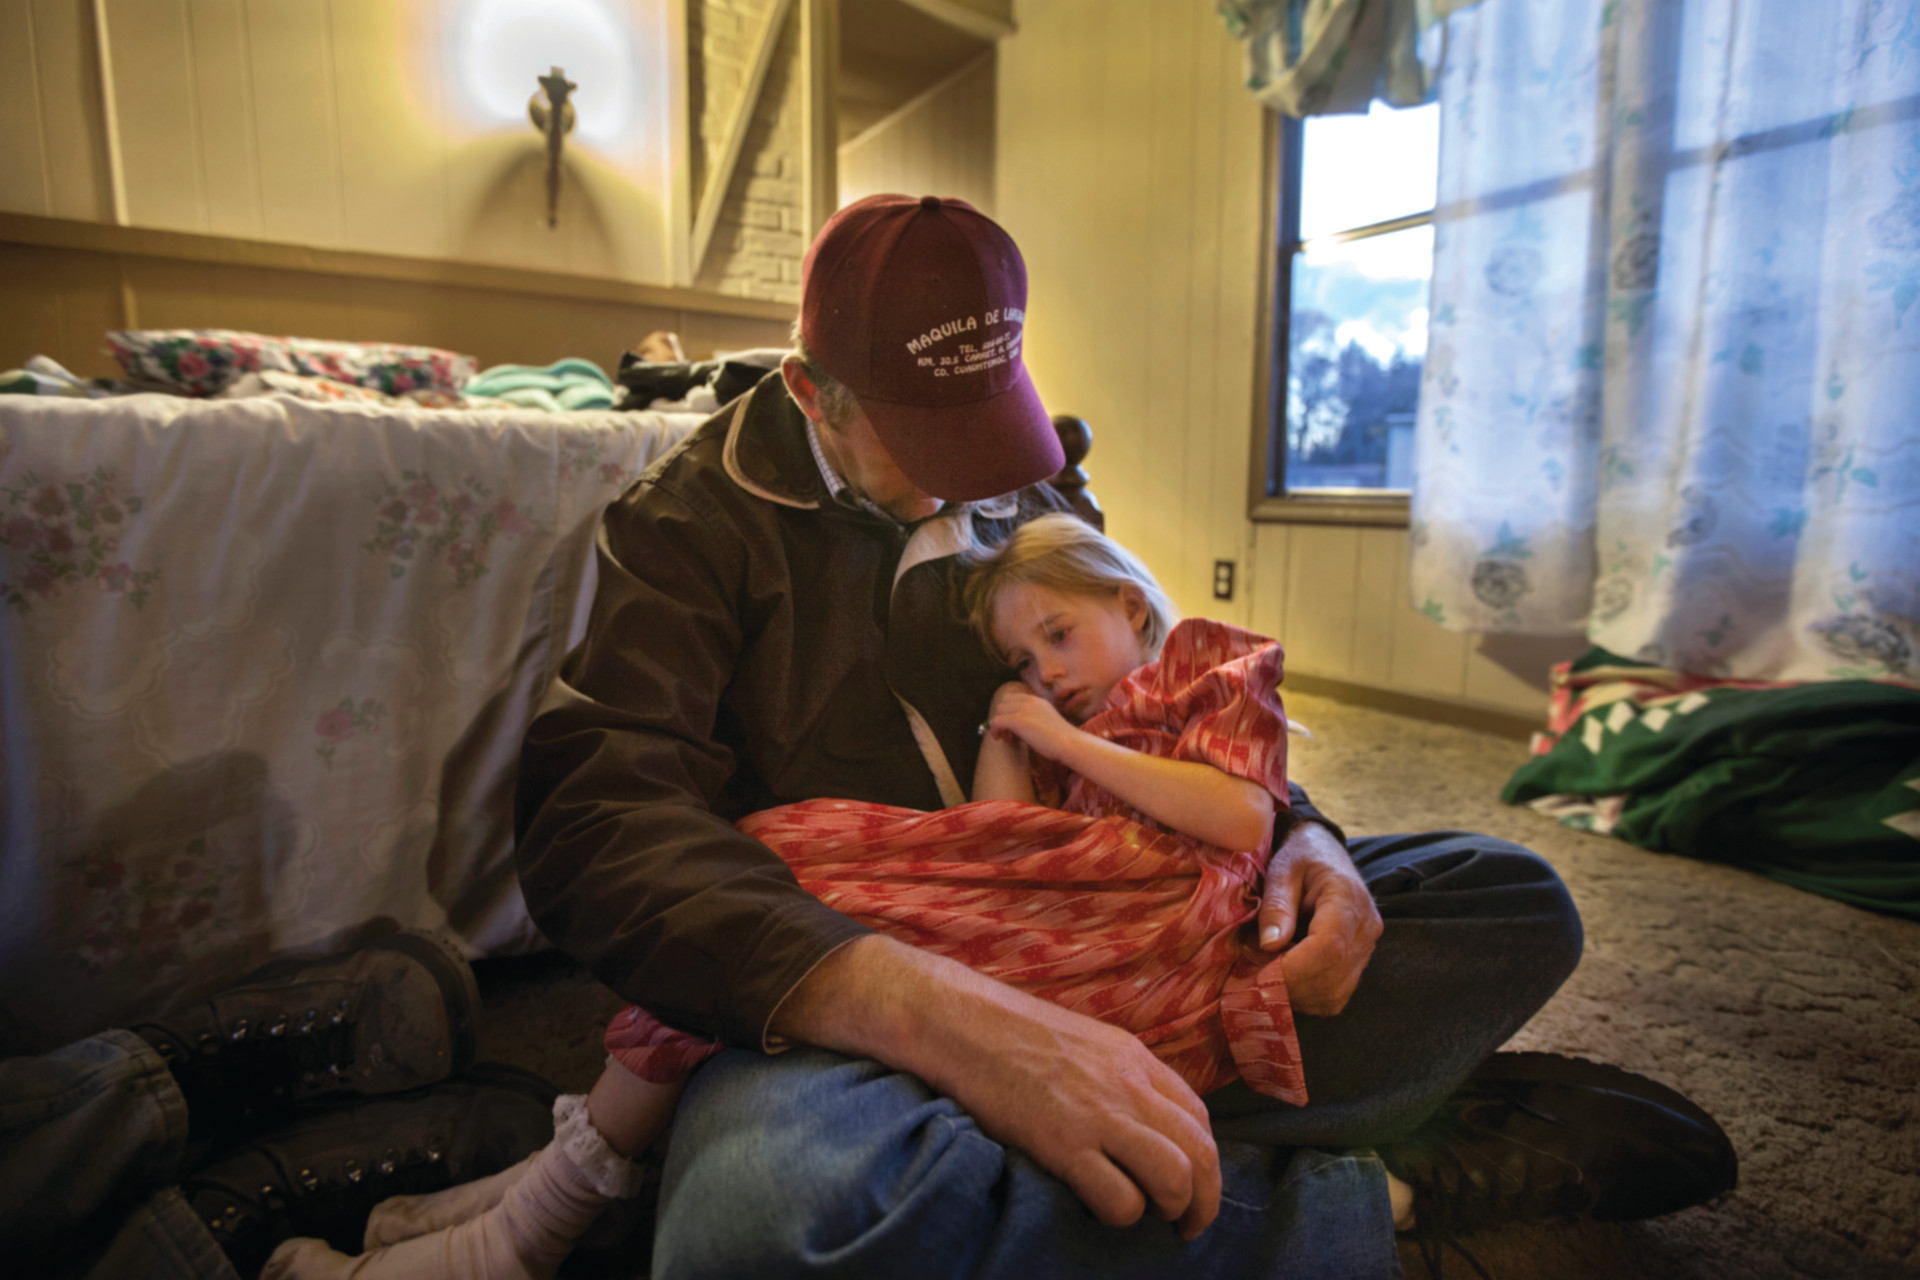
(526, 1235)
(400, 1218)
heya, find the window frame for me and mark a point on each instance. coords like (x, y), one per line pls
(1280, 244)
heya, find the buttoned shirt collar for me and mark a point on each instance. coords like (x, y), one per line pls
(843, 493)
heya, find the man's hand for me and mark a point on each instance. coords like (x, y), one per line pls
(1311, 874)
(1087, 1101)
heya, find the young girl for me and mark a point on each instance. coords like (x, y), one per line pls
(1159, 752)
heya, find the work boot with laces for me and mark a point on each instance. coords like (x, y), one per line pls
(321, 1175)
(398, 1013)
(1538, 1135)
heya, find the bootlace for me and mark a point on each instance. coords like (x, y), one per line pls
(317, 1041)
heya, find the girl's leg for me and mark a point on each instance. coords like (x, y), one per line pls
(536, 1218)
(628, 1111)
(626, 1107)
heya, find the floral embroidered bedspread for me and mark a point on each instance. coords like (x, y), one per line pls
(264, 670)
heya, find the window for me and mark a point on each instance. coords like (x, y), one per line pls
(1351, 260)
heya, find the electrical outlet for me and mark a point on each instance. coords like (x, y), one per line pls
(1223, 579)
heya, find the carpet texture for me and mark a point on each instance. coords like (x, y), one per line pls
(1793, 1019)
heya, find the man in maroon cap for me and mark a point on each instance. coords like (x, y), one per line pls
(773, 623)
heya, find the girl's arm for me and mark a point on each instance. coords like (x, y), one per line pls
(1194, 799)
(1004, 771)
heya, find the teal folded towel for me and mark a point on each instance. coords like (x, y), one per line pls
(571, 383)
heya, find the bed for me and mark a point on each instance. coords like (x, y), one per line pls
(265, 665)
(264, 668)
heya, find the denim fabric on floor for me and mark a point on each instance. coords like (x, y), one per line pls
(91, 1139)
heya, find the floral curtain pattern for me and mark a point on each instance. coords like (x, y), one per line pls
(1674, 357)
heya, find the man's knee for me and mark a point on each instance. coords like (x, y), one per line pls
(812, 1164)
(1540, 903)
(1473, 879)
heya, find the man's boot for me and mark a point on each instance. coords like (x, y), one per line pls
(321, 1175)
(398, 1013)
(1538, 1135)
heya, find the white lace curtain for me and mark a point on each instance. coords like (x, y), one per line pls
(1672, 388)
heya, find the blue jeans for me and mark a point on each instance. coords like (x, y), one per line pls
(813, 1164)
(91, 1140)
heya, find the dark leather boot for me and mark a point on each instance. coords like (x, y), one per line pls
(321, 1174)
(1539, 1135)
(395, 1014)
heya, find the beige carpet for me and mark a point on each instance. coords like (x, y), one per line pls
(1793, 1019)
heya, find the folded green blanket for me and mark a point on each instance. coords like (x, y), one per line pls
(572, 383)
(1816, 785)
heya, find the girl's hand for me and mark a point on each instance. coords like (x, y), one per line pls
(1017, 710)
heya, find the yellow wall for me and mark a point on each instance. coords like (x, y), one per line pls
(335, 123)
(941, 143)
(345, 126)
(1129, 169)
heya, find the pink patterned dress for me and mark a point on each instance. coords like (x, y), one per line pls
(1081, 900)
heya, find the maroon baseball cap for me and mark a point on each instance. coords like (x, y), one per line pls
(919, 307)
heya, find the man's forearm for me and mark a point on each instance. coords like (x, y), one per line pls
(1086, 1100)
(868, 998)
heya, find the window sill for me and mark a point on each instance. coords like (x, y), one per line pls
(1333, 506)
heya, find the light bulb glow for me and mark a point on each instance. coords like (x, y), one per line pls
(501, 47)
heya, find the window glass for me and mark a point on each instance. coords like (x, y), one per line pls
(1356, 341)
(1358, 170)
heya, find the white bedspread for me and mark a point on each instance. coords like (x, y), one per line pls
(264, 670)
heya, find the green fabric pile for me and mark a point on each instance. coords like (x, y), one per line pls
(572, 383)
(1816, 785)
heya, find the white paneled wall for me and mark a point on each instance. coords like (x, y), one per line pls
(1129, 169)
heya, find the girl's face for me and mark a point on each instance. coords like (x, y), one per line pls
(1070, 649)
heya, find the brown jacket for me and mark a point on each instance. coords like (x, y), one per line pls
(751, 643)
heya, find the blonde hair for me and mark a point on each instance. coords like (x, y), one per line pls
(1066, 554)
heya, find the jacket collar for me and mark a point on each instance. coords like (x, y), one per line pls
(766, 448)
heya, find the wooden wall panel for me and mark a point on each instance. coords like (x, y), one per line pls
(941, 143)
(1117, 125)
(1323, 563)
(389, 113)
(23, 158)
(1176, 527)
(223, 96)
(1262, 585)
(320, 122)
(29, 302)
(1237, 291)
(72, 120)
(58, 303)
(1377, 587)
(184, 295)
(290, 61)
(161, 160)
(61, 302)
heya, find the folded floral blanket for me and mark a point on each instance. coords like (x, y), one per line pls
(204, 362)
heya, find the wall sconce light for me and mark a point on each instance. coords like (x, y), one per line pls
(552, 114)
